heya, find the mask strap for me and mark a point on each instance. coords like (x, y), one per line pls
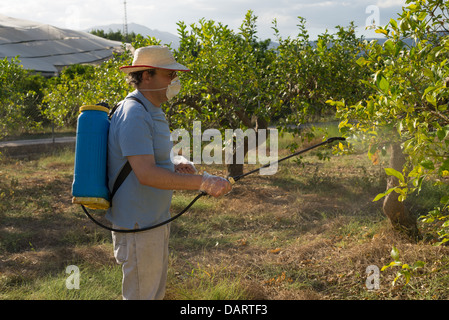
(149, 90)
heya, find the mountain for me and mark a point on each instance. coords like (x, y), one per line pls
(165, 37)
(169, 38)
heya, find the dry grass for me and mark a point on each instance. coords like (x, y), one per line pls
(308, 232)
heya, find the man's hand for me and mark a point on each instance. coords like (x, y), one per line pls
(182, 165)
(149, 174)
(185, 168)
(214, 185)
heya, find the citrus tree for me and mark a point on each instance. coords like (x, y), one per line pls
(83, 85)
(230, 84)
(225, 84)
(409, 107)
(19, 95)
(239, 81)
(310, 73)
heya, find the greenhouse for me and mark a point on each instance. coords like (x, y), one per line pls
(47, 49)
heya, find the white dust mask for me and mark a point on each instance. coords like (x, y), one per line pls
(172, 90)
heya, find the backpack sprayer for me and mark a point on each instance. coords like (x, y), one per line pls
(90, 184)
(90, 179)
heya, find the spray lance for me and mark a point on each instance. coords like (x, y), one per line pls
(232, 180)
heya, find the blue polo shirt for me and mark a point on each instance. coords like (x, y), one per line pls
(138, 130)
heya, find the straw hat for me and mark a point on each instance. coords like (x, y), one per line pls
(153, 57)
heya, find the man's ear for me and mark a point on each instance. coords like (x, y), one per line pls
(145, 75)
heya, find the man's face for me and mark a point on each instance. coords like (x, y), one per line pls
(160, 80)
(163, 77)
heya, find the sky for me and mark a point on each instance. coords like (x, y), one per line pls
(320, 15)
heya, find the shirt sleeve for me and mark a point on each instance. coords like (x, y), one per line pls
(135, 134)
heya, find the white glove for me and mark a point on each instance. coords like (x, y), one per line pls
(214, 185)
(182, 165)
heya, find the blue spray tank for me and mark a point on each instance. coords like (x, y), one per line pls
(90, 186)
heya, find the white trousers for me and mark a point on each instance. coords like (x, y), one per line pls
(144, 260)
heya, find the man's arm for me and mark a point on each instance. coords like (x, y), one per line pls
(146, 171)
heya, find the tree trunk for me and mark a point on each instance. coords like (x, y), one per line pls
(401, 219)
(236, 169)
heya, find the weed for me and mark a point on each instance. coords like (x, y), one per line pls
(406, 270)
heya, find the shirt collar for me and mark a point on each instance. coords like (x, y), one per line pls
(147, 103)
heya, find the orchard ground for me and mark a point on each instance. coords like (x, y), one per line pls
(308, 232)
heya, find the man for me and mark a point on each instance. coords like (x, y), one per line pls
(140, 134)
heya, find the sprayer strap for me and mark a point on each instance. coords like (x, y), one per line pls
(121, 177)
(114, 108)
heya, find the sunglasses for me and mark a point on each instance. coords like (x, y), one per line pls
(169, 73)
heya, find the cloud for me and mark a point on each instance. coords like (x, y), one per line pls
(390, 3)
(163, 15)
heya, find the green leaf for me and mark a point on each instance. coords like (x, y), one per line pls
(362, 61)
(339, 104)
(395, 254)
(431, 99)
(428, 73)
(444, 200)
(395, 173)
(389, 45)
(383, 84)
(441, 134)
(441, 242)
(379, 196)
(407, 276)
(394, 24)
(383, 31)
(427, 164)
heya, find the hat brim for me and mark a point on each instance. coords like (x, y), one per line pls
(135, 68)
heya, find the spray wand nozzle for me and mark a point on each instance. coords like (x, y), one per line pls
(232, 180)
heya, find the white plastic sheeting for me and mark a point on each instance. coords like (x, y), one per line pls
(47, 49)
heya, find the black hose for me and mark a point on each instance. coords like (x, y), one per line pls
(231, 179)
(146, 228)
